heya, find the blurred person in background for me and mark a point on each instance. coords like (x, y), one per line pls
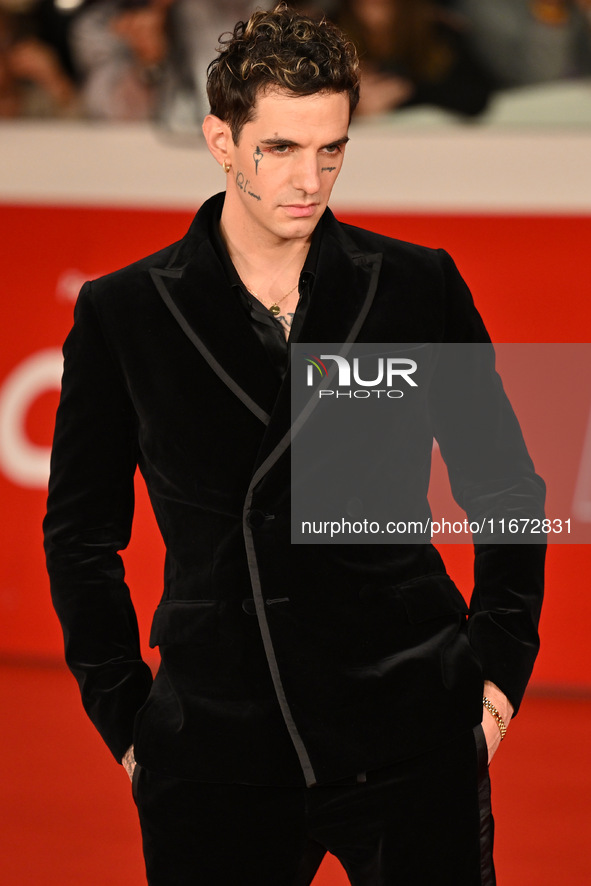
(413, 52)
(523, 42)
(54, 22)
(119, 47)
(194, 27)
(143, 59)
(34, 81)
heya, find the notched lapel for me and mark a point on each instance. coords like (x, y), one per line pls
(344, 289)
(201, 300)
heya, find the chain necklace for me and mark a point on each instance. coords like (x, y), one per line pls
(274, 308)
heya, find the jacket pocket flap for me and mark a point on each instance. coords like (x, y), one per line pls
(430, 597)
(184, 621)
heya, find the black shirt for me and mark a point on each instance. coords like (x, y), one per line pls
(266, 327)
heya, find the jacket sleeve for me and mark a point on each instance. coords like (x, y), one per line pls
(88, 522)
(492, 478)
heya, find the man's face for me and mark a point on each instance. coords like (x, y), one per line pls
(286, 163)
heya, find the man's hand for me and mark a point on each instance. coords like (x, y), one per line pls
(128, 761)
(489, 724)
(381, 93)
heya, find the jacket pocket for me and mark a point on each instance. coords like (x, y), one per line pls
(185, 621)
(422, 599)
(431, 597)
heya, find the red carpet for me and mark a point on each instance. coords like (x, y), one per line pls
(68, 817)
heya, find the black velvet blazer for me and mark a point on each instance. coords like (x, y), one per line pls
(281, 664)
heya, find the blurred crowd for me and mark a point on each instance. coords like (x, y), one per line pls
(146, 59)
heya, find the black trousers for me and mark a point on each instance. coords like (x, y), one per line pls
(421, 822)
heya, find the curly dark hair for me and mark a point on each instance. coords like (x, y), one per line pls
(279, 49)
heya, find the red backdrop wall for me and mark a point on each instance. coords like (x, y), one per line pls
(530, 279)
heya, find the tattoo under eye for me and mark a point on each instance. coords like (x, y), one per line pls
(257, 157)
(243, 184)
(328, 169)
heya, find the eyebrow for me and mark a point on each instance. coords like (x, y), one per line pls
(270, 142)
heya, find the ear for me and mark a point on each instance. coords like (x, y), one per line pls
(218, 138)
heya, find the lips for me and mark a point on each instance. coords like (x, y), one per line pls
(301, 210)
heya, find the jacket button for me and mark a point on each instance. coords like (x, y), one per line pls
(255, 519)
(248, 606)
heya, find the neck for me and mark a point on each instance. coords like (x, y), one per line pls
(268, 268)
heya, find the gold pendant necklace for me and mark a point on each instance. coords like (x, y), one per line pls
(274, 308)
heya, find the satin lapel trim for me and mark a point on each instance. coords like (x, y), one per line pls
(358, 275)
(238, 359)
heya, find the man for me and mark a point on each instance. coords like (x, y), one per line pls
(310, 697)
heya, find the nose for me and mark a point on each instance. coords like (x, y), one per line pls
(307, 173)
